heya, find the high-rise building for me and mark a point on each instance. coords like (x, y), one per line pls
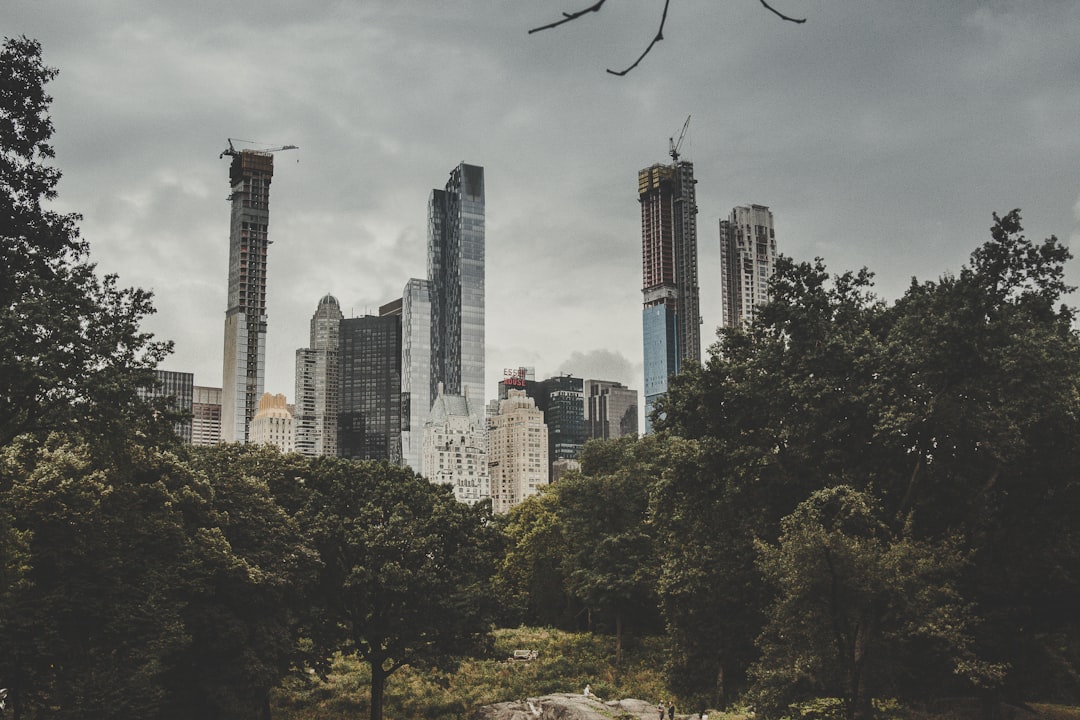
(517, 451)
(244, 366)
(455, 448)
(273, 423)
(369, 417)
(415, 369)
(317, 383)
(747, 261)
(206, 415)
(560, 399)
(671, 318)
(456, 284)
(611, 410)
(178, 389)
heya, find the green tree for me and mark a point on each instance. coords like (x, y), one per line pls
(406, 568)
(530, 581)
(73, 355)
(850, 595)
(611, 563)
(247, 588)
(88, 628)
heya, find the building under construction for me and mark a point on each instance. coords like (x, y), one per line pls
(244, 366)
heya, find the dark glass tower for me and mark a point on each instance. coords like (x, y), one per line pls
(369, 420)
(456, 285)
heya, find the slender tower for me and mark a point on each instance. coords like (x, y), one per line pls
(456, 285)
(747, 261)
(671, 317)
(244, 365)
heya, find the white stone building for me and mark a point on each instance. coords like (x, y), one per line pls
(273, 423)
(454, 448)
(517, 451)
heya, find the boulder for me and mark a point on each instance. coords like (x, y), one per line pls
(567, 706)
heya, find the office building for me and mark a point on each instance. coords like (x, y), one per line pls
(747, 261)
(456, 284)
(671, 317)
(317, 383)
(177, 389)
(273, 423)
(369, 416)
(455, 448)
(517, 451)
(611, 410)
(415, 370)
(244, 364)
(206, 415)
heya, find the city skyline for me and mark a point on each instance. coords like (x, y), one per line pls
(880, 136)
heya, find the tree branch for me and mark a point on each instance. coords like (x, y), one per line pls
(658, 38)
(567, 17)
(596, 7)
(781, 15)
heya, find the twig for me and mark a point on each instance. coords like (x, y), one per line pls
(781, 15)
(567, 17)
(658, 38)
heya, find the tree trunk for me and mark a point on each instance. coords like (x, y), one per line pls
(618, 639)
(719, 698)
(378, 684)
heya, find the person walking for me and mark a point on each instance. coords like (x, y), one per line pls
(660, 710)
(671, 710)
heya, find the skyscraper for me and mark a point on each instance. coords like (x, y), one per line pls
(415, 369)
(317, 383)
(611, 410)
(747, 261)
(369, 419)
(671, 318)
(244, 366)
(456, 285)
(273, 423)
(179, 389)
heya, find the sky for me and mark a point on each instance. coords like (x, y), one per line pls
(881, 135)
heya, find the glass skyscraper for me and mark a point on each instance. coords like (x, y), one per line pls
(456, 285)
(369, 420)
(671, 317)
(416, 397)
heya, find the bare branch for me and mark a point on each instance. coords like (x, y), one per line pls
(567, 17)
(781, 15)
(658, 38)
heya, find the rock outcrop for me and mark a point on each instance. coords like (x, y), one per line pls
(570, 707)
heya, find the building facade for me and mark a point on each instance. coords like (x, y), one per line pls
(747, 261)
(178, 388)
(517, 451)
(318, 383)
(456, 249)
(369, 416)
(671, 316)
(415, 370)
(455, 448)
(611, 410)
(206, 415)
(273, 423)
(244, 364)
(560, 399)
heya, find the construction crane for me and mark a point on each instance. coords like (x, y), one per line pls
(233, 151)
(676, 144)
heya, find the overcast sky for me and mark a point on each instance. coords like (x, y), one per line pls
(881, 134)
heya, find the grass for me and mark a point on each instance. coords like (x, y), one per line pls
(566, 662)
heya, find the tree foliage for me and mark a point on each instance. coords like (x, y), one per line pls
(405, 567)
(74, 356)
